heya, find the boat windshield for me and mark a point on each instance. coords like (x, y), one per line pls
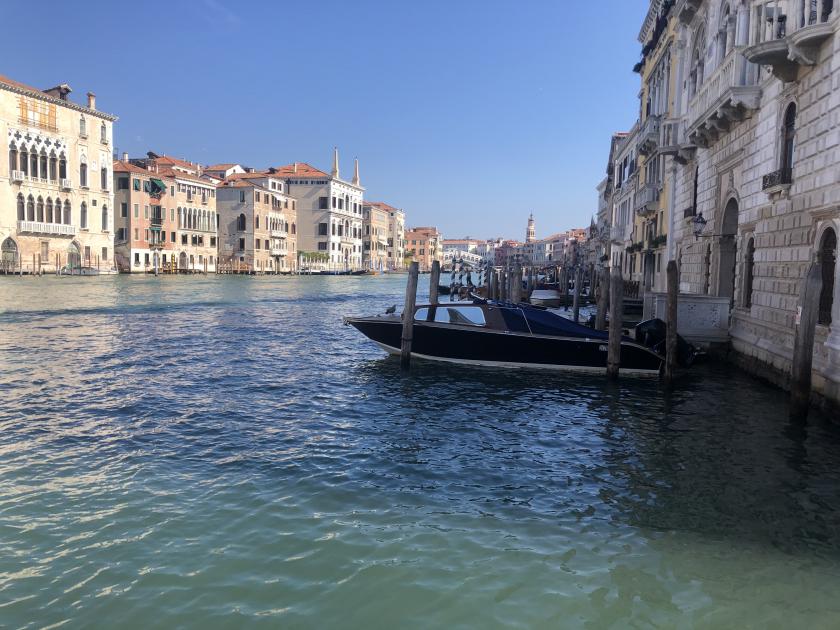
(463, 315)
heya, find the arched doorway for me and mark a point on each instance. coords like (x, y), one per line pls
(828, 261)
(182, 262)
(8, 255)
(74, 256)
(726, 268)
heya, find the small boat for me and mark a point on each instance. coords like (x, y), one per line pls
(550, 298)
(67, 270)
(502, 334)
(443, 289)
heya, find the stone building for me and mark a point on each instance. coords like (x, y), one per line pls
(396, 239)
(375, 236)
(329, 212)
(753, 152)
(145, 221)
(56, 201)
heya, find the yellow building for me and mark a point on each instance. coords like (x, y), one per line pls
(56, 198)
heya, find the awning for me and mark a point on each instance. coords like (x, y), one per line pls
(159, 183)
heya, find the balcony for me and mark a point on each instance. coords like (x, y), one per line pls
(649, 135)
(725, 97)
(788, 34)
(36, 227)
(777, 183)
(646, 201)
(278, 251)
(156, 222)
(65, 184)
(17, 176)
(278, 233)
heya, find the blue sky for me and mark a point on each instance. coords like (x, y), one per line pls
(468, 114)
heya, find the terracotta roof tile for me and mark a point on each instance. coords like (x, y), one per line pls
(299, 169)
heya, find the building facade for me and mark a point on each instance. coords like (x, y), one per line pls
(375, 235)
(329, 213)
(424, 245)
(56, 197)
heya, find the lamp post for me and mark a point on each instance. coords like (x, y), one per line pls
(698, 224)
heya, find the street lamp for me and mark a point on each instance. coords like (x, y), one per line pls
(698, 225)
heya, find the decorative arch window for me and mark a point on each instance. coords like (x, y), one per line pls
(294, 228)
(49, 217)
(749, 272)
(103, 134)
(53, 167)
(698, 56)
(828, 262)
(240, 223)
(68, 213)
(83, 173)
(726, 33)
(257, 222)
(62, 167)
(82, 127)
(104, 218)
(21, 209)
(13, 159)
(24, 160)
(43, 165)
(83, 222)
(39, 210)
(788, 135)
(33, 164)
(57, 211)
(30, 208)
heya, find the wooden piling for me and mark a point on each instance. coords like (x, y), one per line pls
(803, 342)
(603, 299)
(434, 281)
(564, 278)
(408, 315)
(516, 285)
(578, 282)
(671, 331)
(616, 315)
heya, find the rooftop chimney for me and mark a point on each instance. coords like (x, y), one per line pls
(91, 100)
(295, 167)
(125, 157)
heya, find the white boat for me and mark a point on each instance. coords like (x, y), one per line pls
(550, 298)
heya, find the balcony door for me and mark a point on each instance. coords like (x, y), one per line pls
(727, 257)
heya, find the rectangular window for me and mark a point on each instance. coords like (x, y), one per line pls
(136, 258)
(122, 183)
(212, 241)
(146, 258)
(258, 244)
(172, 236)
(123, 209)
(136, 211)
(147, 186)
(322, 229)
(323, 203)
(145, 235)
(45, 250)
(322, 247)
(172, 215)
(172, 190)
(257, 222)
(334, 202)
(145, 212)
(241, 196)
(136, 234)
(163, 237)
(104, 253)
(241, 244)
(266, 244)
(183, 239)
(340, 203)
(136, 184)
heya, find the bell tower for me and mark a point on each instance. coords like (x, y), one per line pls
(531, 234)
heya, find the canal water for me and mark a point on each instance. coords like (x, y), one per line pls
(222, 452)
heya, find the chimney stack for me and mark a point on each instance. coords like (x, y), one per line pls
(91, 100)
(295, 167)
(125, 157)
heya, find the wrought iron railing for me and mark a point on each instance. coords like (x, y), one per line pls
(781, 177)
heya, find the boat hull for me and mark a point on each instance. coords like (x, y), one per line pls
(505, 349)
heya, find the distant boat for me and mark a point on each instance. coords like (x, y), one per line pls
(67, 270)
(501, 334)
(550, 298)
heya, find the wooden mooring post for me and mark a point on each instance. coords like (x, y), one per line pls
(803, 342)
(616, 315)
(434, 281)
(603, 299)
(564, 278)
(672, 274)
(516, 285)
(578, 282)
(408, 315)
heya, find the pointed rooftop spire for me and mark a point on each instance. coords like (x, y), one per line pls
(356, 181)
(335, 163)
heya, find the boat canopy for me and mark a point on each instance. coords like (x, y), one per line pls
(525, 318)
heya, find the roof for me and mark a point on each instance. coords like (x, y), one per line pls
(382, 206)
(165, 160)
(168, 172)
(127, 167)
(220, 167)
(298, 169)
(17, 86)
(239, 183)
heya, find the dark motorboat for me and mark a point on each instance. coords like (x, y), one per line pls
(443, 289)
(507, 335)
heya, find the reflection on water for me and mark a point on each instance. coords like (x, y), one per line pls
(211, 452)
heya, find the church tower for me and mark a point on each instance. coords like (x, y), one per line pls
(531, 235)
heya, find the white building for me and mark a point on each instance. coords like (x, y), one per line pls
(329, 212)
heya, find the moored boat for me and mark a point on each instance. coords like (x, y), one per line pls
(505, 335)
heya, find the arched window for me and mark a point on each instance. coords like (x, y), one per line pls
(82, 127)
(104, 218)
(698, 56)
(43, 166)
(21, 209)
(68, 213)
(83, 173)
(726, 33)
(257, 222)
(24, 161)
(103, 133)
(828, 261)
(240, 223)
(57, 211)
(788, 133)
(749, 272)
(83, 216)
(33, 164)
(39, 210)
(49, 217)
(103, 177)
(53, 167)
(294, 229)
(13, 164)
(180, 218)
(30, 208)
(62, 167)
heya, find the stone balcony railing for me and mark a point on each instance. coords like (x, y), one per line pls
(687, 9)
(788, 34)
(278, 233)
(37, 227)
(727, 95)
(649, 134)
(646, 200)
(278, 251)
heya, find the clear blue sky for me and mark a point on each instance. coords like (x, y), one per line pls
(469, 114)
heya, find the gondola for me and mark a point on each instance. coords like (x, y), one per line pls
(501, 334)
